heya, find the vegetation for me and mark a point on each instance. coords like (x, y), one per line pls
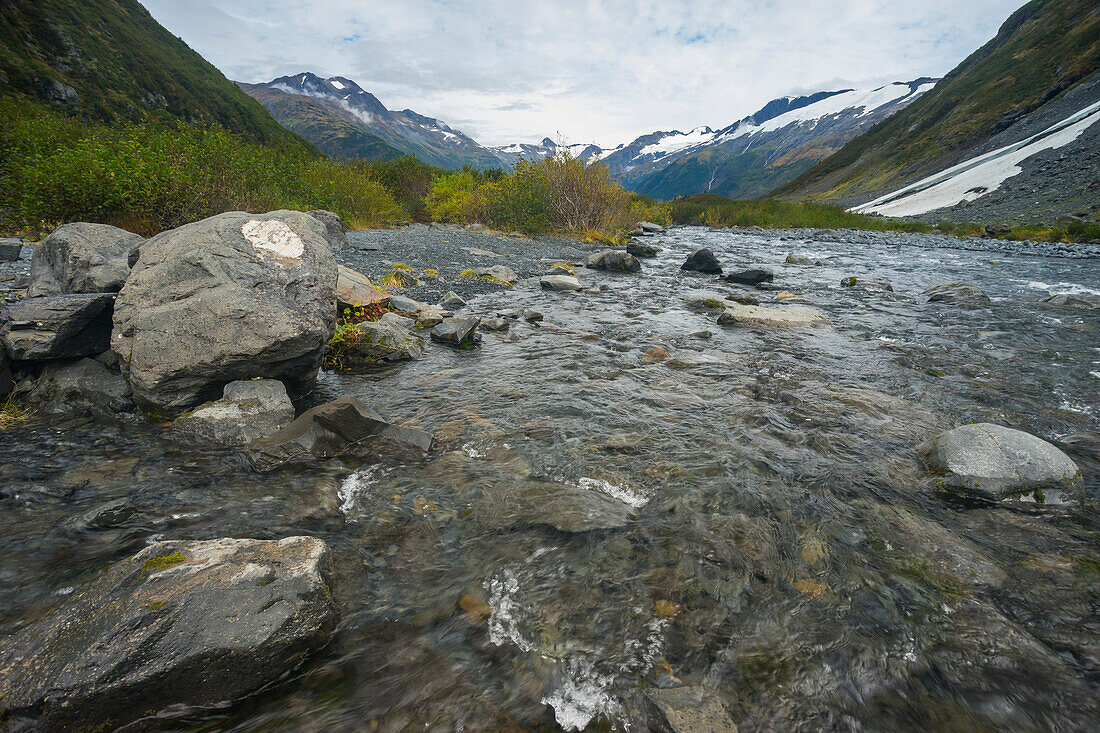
(13, 413)
(1042, 49)
(348, 338)
(163, 562)
(718, 211)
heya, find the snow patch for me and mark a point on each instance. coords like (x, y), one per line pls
(274, 236)
(336, 84)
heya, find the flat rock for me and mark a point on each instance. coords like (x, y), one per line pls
(354, 289)
(750, 277)
(498, 272)
(640, 250)
(992, 462)
(549, 503)
(794, 317)
(327, 431)
(457, 331)
(687, 710)
(57, 326)
(82, 258)
(957, 292)
(613, 260)
(180, 623)
(247, 410)
(405, 305)
(702, 260)
(559, 283)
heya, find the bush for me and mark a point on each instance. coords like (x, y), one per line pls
(450, 198)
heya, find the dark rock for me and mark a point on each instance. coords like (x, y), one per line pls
(248, 410)
(532, 316)
(180, 623)
(457, 331)
(68, 386)
(992, 462)
(57, 326)
(10, 251)
(452, 302)
(327, 431)
(702, 260)
(868, 284)
(231, 297)
(82, 258)
(957, 292)
(687, 710)
(613, 260)
(559, 283)
(387, 339)
(750, 277)
(494, 324)
(108, 515)
(742, 298)
(334, 228)
(7, 381)
(642, 250)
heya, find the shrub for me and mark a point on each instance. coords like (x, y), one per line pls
(451, 197)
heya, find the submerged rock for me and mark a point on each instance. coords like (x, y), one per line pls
(82, 258)
(559, 283)
(796, 317)
(231, 297)
(1068, 300)
(563, 507)
(457, 332)
(687, 710)
(613, 260)
(702, 260)
(327, 431)
(84, 384)
(57, 326)
(750, 277)
(180, 623)
(640, 250)
(866, 283)
(992, 462)
(247, 410)
(957, 292)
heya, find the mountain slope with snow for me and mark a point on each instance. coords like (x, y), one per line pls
(337, 114)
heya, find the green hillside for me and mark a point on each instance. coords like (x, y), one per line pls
(1043, 49)
(122, 66)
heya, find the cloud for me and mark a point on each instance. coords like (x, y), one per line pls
(603, 71)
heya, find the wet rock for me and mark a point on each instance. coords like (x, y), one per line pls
(656, 354)
(640, 250)
(866, 283)
(10, 251)
(495, 324)
(532, 316)
(111, 514)
(613, 260)
(706, 301)
(784, 295)
(992, 462)
(803, 260)
(957, 292)
(452, 302)
(702, 334)
(82, 258)
(559, 283)
(563, 507)
(334, 228)
(457, 332)
(702, 260)
(1067, 300)
(562, 270)
(1086, 444)
(57, 326)
(750, 277)
(650, 227)
(355, 289)
(327, 431)
(84, 384)
(498, 272)
(180, 623)
(387, 339)
(742, 298)
(247, 410)
(796, 317)
(7, 380)
(405, 305)
(687, 710)
(231, 297)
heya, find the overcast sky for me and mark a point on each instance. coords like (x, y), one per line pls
(601, 71)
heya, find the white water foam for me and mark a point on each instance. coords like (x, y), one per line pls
(355, 486)
(623, 494)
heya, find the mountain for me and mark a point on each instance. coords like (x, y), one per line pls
(509, 154)
(760, 152)
(995, 97)
(342, 119)
(110, 60)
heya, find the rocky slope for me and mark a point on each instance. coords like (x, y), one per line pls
(341, 118)
(1039, 54)
(112, 61)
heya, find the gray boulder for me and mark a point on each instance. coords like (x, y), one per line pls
(495, 324)
(10, 251)
(559, 283)
(959, 293)
(457, 331)
(613, 260)
(802, 260)
(687, 710)
(82, 258)
(231, 297)
(405, 305)
(648, 226)
(452, 301)
(334, 228)
(57, 326)
(702, 260)
(248, 410)
(84, 384)
(992, 462)
(498, 272)
(180, 623)
(327, 431)
(387, 339)
(642, 250)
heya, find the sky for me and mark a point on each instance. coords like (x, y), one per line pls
(582, 71)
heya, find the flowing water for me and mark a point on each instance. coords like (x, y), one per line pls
(774, 539)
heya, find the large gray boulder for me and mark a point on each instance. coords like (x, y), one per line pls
(82, 258)
(327, 431)
(231, 297)
(613, 260)
(992, 462)
(83, 384)
(334, 228)
(180, 623)
(247, 410)
(959, 293)
(57, 326)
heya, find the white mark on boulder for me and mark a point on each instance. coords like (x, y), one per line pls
(274, 236)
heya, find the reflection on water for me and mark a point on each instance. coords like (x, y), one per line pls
(767, 532)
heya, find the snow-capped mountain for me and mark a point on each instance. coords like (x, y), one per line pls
(509, 154)
(760, 152)
(327, 111)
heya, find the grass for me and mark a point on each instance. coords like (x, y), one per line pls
(713, 210)
(13, 413)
